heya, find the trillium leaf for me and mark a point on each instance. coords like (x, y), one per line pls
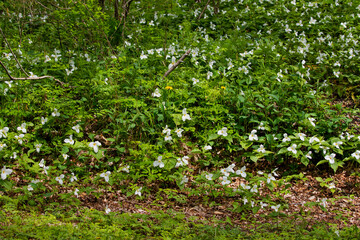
(339, 151)
(334, 166)
(213, 136)
(196, 150)
(305, 161)
(283, 150)
(246, 145)
(254, 158)
(229, 138)
(321, 162)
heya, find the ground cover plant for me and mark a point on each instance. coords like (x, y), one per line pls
(231, 107)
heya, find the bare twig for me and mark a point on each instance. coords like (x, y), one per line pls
(204, 9)
(177, 63)
(126, 8)
(29, 78)
(13, 53)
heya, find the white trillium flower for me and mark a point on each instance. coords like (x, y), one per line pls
(143, 56)
(60, 178)
(292, 149)
(38, 146)
(253, 135)
(330, 158)
(2, 145)
(76, 128)
(30, 188)
(230, 168)
(65, 156)
(95, 145)
(106, 175)
(179, 132)
(241, 172)
(55, 113)
(301, 136)
(173, 61)
(22, 128)
(209, 176)
(32, 75)
(47, 59)
(166, 130)
(43, 120)
(5, 172)
(185, 115)
(42, 163)
(261, 126)
(337, 144)
(107, 210)
(261, 149)
(223, 132)
(312, 121)
(286, 138)
(225, 181)
(224, 172)
(276, 208)
(3, 132)
(270, 178)
(14, 156)
(207, 147)
(254, 189)
(19, 138)
(195, 81)
(313, 139)
(356, 154)
(138, 192)
(262, 205)
(126, 169)
(73, 177)
(69, 140)
(76, 192)
(184, 180)
(168, 137)
(158, 162)
(156, 93)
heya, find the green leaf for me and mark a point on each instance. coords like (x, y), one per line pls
(254, 158)
(283, 150)
(321, 162)
(305, 161)
(6, 184)
(246, 145)
(196, 150)
(213, 136)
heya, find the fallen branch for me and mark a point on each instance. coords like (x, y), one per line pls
(28, 78)
(203, 10)
(177, 63)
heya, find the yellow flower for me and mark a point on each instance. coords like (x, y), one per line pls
(222, 87)
(168, 88)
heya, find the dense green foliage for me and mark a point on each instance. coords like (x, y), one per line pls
(95, 225)
(257, 86)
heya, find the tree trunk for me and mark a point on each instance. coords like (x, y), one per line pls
(102, 4)
(116, 9)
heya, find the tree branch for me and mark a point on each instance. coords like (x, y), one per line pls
(13, 53)
(177, 63)
(29, 78)
(203, 10)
